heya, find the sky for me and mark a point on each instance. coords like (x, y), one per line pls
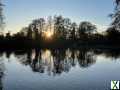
(19, 13)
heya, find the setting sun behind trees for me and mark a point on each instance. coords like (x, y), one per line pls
(48, 34)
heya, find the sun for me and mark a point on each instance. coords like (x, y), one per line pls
(48, 34)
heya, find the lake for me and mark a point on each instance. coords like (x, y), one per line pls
(71, 69)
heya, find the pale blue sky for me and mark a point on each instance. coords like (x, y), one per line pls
(19, 13)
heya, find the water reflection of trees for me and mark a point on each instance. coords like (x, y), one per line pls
(86, 59)
(2, 69)
(111, 53)
(57, 61)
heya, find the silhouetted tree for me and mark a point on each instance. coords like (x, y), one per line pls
(117, 2)
(113, 34)
(58, 26)
(62, 27)
(38, 27)
(50, 23)
(29, 32)
(116, 16)
(67, 28)
(8, 36)
(73, 31)
(86, 28)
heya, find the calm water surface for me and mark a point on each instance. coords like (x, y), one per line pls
(59, 69)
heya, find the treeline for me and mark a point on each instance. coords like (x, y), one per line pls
(58, 31)
(64, 33)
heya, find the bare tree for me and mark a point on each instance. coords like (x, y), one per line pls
(116, 16)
